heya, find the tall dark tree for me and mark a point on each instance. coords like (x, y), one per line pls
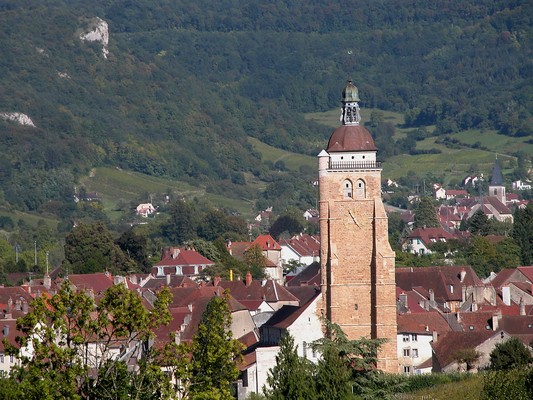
(523, 233)
(182, 224)
(214, 353)
(136, 247)
(426, 214)
(333, 377)
(291, 377)
(90, 248)
(511, 354)
(285, 223)
(479, 223)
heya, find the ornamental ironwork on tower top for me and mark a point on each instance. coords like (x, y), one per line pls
(350, 108)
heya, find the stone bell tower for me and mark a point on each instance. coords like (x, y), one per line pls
(356, 260)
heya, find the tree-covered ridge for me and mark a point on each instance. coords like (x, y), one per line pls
(184, 84)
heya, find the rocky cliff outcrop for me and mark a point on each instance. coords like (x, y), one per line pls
(19, 118)
(98, 31)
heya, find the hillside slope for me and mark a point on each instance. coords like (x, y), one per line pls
(180, 87)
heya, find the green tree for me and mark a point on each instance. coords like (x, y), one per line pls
(71, 337)
(479, 223)
(255, 261)
(468, 356)
(481, 256)
(333, 377)
(426, 214)
(215, 353)
(507, 254)
(90, 248)
(359, 355)
(291, 377)
(511, 354)
(136, 247)
(182, 223)
(505, 385)
(523, 233)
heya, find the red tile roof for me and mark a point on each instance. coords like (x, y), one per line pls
(304, 245)
(99, 282)
(185, 257)
(267, 290)
(310, 276)
(431, 235)
(351, 138)
(423, 323)
(527, 271)
(449, 343)
(439, 279)
(266, 242)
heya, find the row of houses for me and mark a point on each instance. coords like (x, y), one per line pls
(441, 310)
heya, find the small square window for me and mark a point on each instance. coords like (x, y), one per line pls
(405, 338)
(407, 370)
(414, 337)
(415, 353)
(406, 352)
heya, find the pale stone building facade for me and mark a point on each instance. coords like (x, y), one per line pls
(357, 262)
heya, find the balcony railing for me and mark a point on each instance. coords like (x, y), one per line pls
(354, 164)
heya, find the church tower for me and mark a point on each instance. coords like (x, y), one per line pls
(356, 260)
(496, 185)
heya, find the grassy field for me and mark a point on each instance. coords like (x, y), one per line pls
(292, 161)
(468, 389)
(452, 164)
(116, 185)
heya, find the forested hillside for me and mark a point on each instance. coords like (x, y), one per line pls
(184, 83)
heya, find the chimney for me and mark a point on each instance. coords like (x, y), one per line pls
(168, 279)
(248, 279)
(431, 298)
(403, 301)
(462, 274)
(175, 252)
(10, 305)
(506, 295)
(25, 307)
(216, 280)
(522, 307)
(463, 294)
(458, 315)
(6, 330)
(47, 282)
(435, 336)
(494, 322)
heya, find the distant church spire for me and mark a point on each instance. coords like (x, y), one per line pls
(350, 106)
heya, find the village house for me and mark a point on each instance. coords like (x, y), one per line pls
(181, 261)
(421, 239)
(302, 248)
(145, 209)
(270, 249)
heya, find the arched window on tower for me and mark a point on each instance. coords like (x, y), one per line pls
(360, 189)
(347, 188)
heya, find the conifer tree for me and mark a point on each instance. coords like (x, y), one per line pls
(291, 378)
(333, 378)
(426, 214)
(214, 353)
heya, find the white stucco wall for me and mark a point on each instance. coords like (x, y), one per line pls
(419, 342)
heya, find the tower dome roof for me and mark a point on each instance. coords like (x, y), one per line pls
(351, 138)
(350, 92)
